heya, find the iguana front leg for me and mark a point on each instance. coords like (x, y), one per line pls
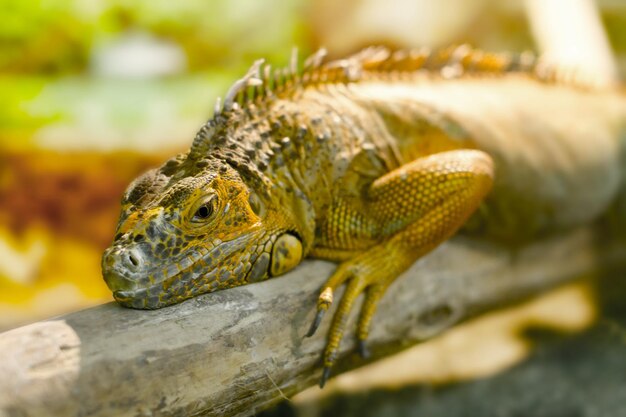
(415, 207)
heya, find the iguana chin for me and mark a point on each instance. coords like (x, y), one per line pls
(370, 161)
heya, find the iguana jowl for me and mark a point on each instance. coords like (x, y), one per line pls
(370, 161)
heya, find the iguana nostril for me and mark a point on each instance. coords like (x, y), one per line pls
(131, 259)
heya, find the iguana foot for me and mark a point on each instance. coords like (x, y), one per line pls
(416, 207)
(363, 274)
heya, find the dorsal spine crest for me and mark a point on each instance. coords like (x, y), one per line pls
(261, 83)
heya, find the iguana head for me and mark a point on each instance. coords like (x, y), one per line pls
(194, 226)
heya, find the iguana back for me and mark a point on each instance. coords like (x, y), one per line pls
(558, 149)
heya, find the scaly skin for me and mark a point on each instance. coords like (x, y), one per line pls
(371, 161)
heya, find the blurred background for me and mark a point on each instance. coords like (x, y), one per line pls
(93, 92)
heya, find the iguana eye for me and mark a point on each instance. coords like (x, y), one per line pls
(205, 211)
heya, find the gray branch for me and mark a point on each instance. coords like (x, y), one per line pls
(236, 352)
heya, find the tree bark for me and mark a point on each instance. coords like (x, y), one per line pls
(238, 351)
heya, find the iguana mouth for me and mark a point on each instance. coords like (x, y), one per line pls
(196, 272)
(153, 297)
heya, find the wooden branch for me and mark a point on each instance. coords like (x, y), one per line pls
(238, 351)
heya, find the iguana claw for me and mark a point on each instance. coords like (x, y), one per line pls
(325, 376)
(316, 322)
(323, 303)
(363, 350)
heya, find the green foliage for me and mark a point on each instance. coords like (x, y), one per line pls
(45, 49)
(41, 36)
(56, 36)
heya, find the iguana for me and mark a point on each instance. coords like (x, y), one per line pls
(370, 161)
